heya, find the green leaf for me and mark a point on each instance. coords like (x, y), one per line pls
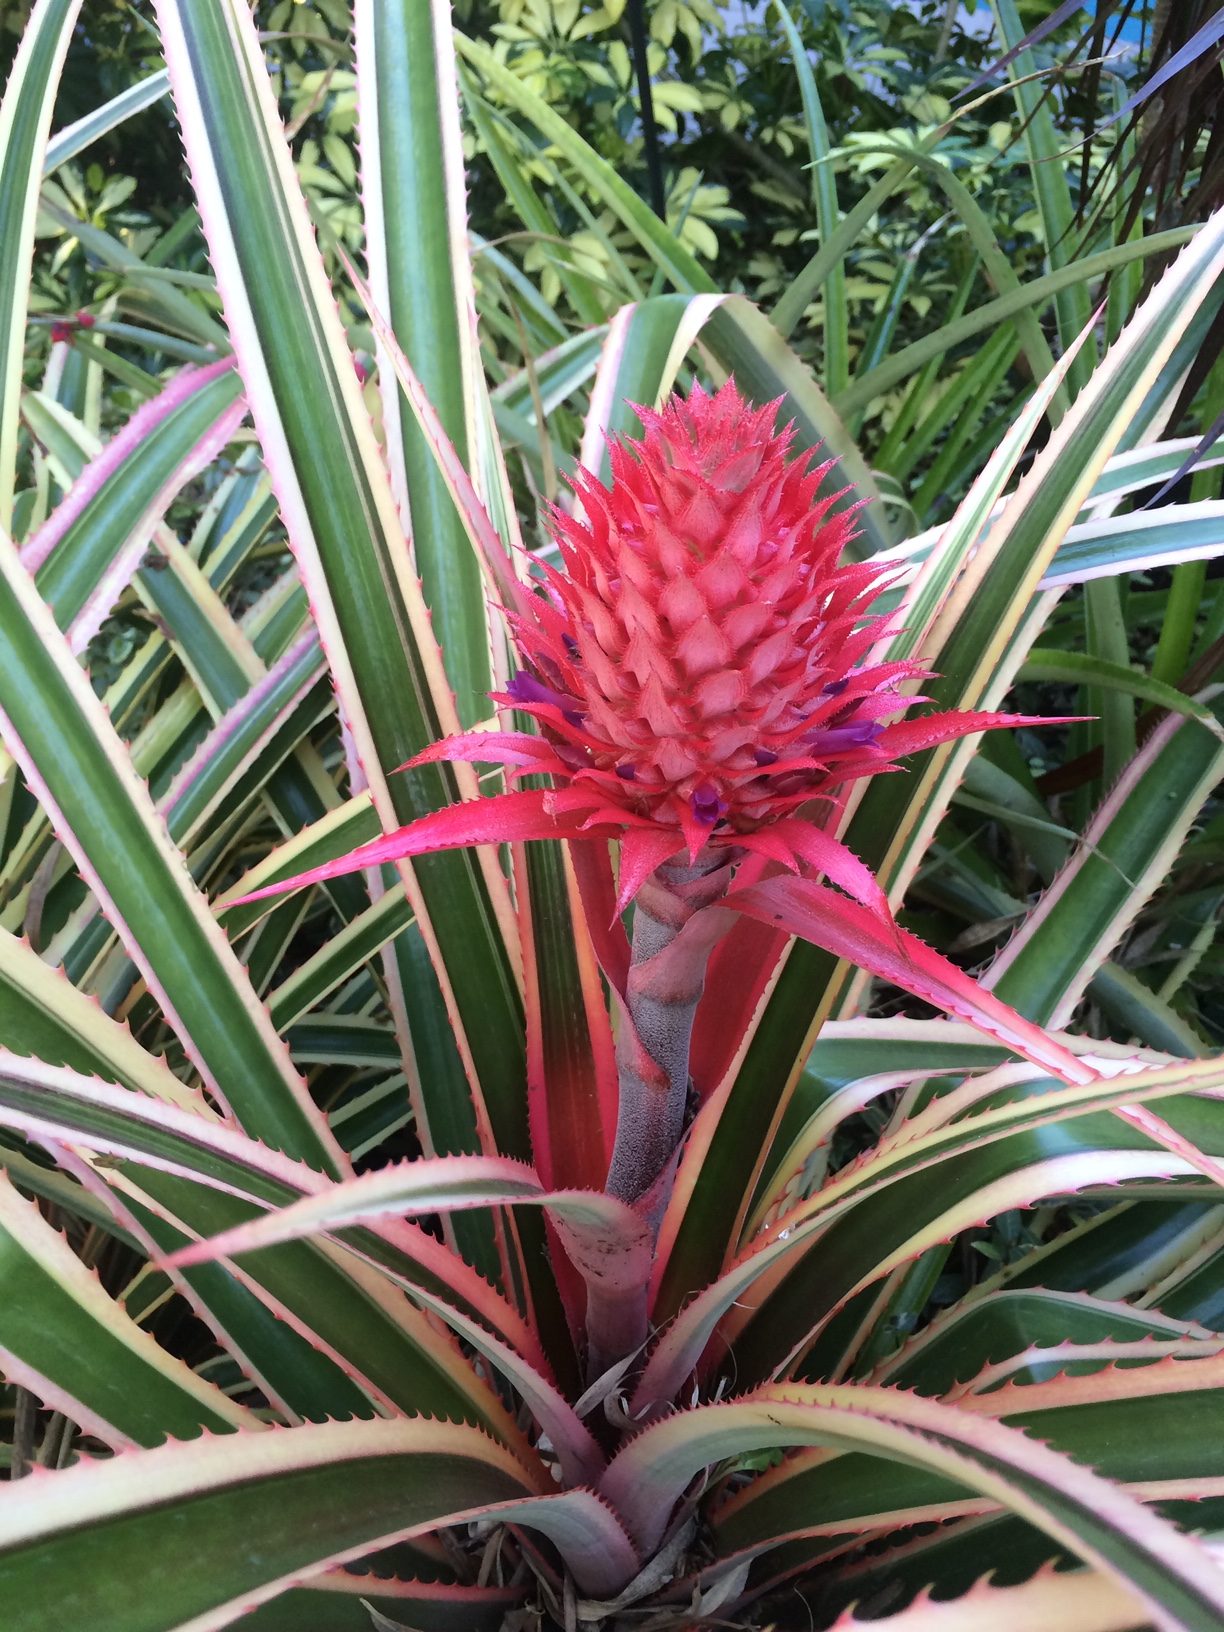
(1113, 545)
(1135, 1432)
(123, 492)
(261, 1515)
(1049, 172)
(59, 732)
(75, 138)
(420, 275)
(25, 120)
(986, 1163)
(1080, 668)
(1032, 1335)
(43, 1015)
(183, 1171)
(824, 199)
(1174, 1575)
(150, 293)
(331, 482)
(64, 1337)
(983, 319)
(681, 268)
(1125, 855)
(341, 1601)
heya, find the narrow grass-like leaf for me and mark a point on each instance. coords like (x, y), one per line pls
(58, 731)
(1049, 174)
(64, 1337)
(48, 1018)
(995, 262)
(608, 1243)
(962, 534)
(1124, 856)
(338, 508)
(76, 1546)
(909, 359)
(1017, 1167)
(1114, 545)
(559, 373)
(148, 292)
(1078, 669)
(985, 626)
(346, 1601)
(683, 270)
(421, 279)
(359, 941)
(1154, 1417)
(824, 198)
(954, 1353)
(501, 142)
(25, 121)
(123, 492)
(187, 1143)
(446, 465)
(83, 132)
(1174, 1575)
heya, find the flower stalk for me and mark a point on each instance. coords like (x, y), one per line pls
(676, 924)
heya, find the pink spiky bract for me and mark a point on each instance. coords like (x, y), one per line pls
(693, 665)
(697, 668)
(695, 657)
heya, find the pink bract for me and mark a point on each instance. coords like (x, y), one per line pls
(697, 669)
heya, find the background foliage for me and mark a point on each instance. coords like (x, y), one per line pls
(1002, 318)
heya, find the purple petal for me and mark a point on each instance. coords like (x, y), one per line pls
(526, 689)
(836, 739)
(706, 804)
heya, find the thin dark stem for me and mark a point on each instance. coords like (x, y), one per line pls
(25, 1418)
(650, 132)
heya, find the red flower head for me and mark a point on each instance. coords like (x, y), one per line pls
(695, 664)
(697, 668)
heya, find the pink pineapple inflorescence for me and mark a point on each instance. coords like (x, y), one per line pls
(697, 667)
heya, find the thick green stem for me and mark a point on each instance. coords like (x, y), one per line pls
(673, 932)
(677, 920)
